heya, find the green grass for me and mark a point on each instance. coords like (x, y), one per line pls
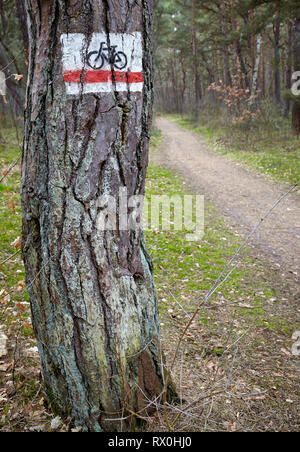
(12, 271)
(183, 271)
(184, 268)
(191, 266)
(187, 270)
(250, 309)
(268, 148)
(9, 149)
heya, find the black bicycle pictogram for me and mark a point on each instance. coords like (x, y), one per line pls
(97, 59)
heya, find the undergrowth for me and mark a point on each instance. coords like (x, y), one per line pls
(236, 356)
(266, 144)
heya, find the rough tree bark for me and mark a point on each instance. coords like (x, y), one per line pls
(93, 302)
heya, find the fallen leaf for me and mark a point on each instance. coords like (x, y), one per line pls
(11, 205)
(20, 307)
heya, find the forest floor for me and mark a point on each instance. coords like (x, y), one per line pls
(242, 338)
(235, 371)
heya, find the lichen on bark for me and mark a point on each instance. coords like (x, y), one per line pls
(94, 307)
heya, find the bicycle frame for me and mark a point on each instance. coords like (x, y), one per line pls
(111, 52)
(107, 54)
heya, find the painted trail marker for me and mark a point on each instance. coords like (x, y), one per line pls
(102, 66)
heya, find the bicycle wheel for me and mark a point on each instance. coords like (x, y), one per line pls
(95, 61)
(120, 60)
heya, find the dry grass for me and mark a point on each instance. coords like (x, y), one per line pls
(235, 370)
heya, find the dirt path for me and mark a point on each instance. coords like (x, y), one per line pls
(242, 196)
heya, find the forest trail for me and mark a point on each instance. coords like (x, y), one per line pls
(241, 196)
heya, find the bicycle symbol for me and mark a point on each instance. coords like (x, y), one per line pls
(97, 59)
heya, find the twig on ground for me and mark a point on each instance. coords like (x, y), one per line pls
(10, 257)
(219, 281)
(10, 168)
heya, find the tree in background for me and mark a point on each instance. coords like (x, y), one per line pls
(241, 45)
(12, 58)
(296, 52)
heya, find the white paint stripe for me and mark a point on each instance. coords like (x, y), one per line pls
(76, 89)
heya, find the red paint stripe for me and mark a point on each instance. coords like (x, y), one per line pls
(102, 77)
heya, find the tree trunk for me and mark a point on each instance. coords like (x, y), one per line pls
(289, 71)
(263, 66)
(197, 79)
(183, 86)
(226, 55)
(242, 64)
(21, 13)
(94, 307)
(256, 69)
(174, 78)
(277, 78)
(296, 52)
(234, 26)
(3, 19)
(252, 39)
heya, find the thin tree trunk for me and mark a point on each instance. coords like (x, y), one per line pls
(263, 66)
(21, 13)
(251, 18)
(3, 19)
(289, 70)
(242, 64)
(234, 26)
(277, 78)
(197, 79)
(93, 302)
(183, 86)
(296, 52)
(226, 56)
(256, 69)
(176, 108)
